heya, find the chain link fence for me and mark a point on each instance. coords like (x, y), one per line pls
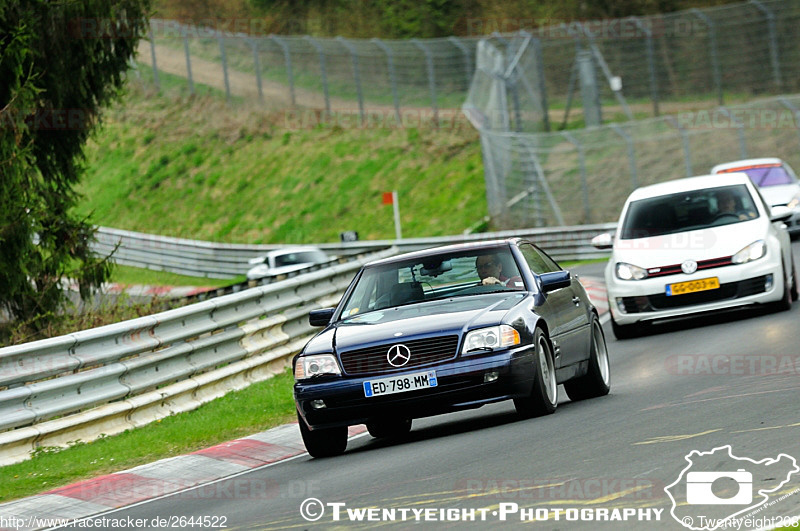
(583, 176)
(644, 65)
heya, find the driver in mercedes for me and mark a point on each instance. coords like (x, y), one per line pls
(490, 271)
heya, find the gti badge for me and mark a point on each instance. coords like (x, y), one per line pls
(689, 267)
(398, 355)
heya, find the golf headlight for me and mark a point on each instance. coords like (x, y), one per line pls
(491, 338)
(754, 251)
(630, 272)
(316, 365)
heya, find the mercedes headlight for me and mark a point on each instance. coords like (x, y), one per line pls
(316, 365)
(630, 272)
(795, 202)
(490, 338)
(754, 251)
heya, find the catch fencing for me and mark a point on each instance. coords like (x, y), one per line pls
(642, 64)
(584, 176)
(116, 377)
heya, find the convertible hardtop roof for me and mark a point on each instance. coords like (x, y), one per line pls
(454, 248)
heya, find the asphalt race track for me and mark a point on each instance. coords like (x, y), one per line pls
(729, 379)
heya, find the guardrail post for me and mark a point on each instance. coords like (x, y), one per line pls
(687, 153)
(323, 69)
(392, 80)
(257, 65)
(153, 56)
(739, 131)
(356, 77)
(431, 78)
(786, 103)
(712, 36)
(651, 63)
(224, 59)
(587, 213)
(631, 155)
(188, 59)
(774, 57)
(467, 58)
(288, 57)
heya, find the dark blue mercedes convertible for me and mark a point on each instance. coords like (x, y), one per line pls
(443, 330)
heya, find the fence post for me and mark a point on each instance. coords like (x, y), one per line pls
(712, 36)
(631, 155)
(651, 63)
(739, 131)
(587, 213)
(392, 79)
(153, 56)
(257, 66)
(356, 77)
(287, 56)
(431, 79)
(324, 69)
(774, 56)
(188, 59)
(467, 58)
(786, 103)
(224, 59)
(687, 153)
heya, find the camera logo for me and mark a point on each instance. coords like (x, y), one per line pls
(699, 488)
(716, 487)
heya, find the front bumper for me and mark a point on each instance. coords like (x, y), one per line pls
(461, 385)
(758, 282)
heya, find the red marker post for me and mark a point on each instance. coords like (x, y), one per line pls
(390, 198)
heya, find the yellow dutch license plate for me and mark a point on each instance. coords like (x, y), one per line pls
(693, 286)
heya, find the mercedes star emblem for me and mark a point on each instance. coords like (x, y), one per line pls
(398, 355)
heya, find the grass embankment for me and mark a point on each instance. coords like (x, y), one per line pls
(235, 415)
(196, 167)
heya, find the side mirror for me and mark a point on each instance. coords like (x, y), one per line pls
(603, 241)
(321, 317)
(555, 280)
(780, 213)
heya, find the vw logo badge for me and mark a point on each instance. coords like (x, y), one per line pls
(689, 267)
(398, 355)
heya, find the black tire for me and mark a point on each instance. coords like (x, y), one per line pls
(794, 293)
(323, 442)
(543, 397)
(623, 332)
(597, 381)
(786, 301)
(389, 429)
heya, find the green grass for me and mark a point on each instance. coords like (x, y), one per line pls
(199, 168)
(240, 413)
(135, 275)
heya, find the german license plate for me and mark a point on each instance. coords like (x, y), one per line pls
(692, 286)
(400, 384)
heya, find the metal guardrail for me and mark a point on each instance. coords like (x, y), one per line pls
(226, 260)
(109, 379)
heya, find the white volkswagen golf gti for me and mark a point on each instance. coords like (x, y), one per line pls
(696, 245)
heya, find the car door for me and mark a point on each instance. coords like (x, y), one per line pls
(568, 317)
